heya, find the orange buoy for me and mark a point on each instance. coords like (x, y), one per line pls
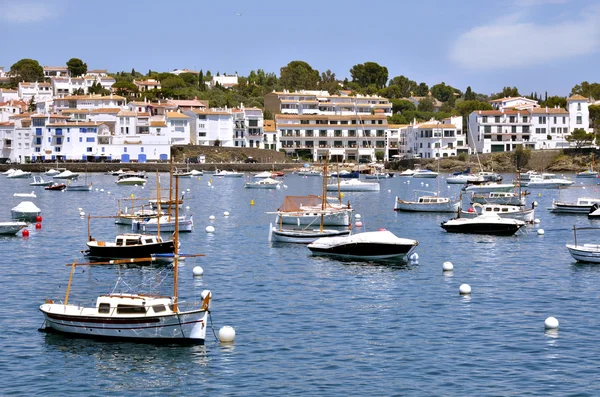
(25, 233)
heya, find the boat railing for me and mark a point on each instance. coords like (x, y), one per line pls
(576, 229)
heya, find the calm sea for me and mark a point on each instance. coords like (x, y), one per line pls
(307, 325)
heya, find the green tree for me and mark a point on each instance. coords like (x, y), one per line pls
(299, 75)
(402, 105)
(124, 88)
(369, 73)
(580, 138)
(465, 108)
(421, 90)
(397, 119)
(555, 101)
(407, 86)
(521, 156)
(76, 67)
(594, 117)
(26, 70)
(329, 83)
(507, 92)
(469, 95)
(587, 90)
(31, 106)
(201, 85)
(442, 92)
(425, 105)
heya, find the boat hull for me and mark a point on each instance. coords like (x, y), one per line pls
(304, 218)
(589, 253)
(366, 250)
(523, 215)
(413, 206)
(482, 228)
(184, 327)
(185, 226)
(302, 236)
(130, 251)
(11, 228)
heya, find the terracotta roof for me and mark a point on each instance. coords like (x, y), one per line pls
(329, 117)
(126, 113)
(55, 68)
(7, 124)
(190, 102)
(139, 103)
(75, 111)
(8, 90)
(397, 126)
(269, 126)
(20, 116)
(161, 105)
(211, 112)
(97, 71)
(158, 124)
(143, 114)
(577, 97)
(105, 110)
(510, 112)
(548, 111)
(177, 115)
(508, 98)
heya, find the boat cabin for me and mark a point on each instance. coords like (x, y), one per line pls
(132, 304)
(136, 239)
(433, 200)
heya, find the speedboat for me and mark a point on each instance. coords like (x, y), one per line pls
(382, 244)
(487, 223)
(310, 172)
(26, 210)
(52, 172)
(196, 173)
(378, 175)
(229, 174)
(583, 205)
(130, 179)
(407, 172)
(130, 245)
(79, 187)
(29, 195)
(346, 174)
(182, 173)
(489, 176)
(488, 187)
(8, 171)
(39, 181)
(546, 181)
(267, 183)
(427, 204)
(66, 174)
(525, 176)
(587, 174)
(19, 174)
(264, 174)
(9, 228)
(463, 179)
(425, 174)
(353, 185)
(56, 186)
(503, 211)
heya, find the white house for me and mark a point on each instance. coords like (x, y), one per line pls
(38, 91)
(224, 80)
(8, 95)
(513, 103)
(7, 137)
(211, 126)
(433, 138)
(579, 113)
(89, 102)
(248, 127)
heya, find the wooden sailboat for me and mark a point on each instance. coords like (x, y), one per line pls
(307, 234)
(132, 316)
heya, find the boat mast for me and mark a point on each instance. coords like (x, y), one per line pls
(176, 251)
(158, 203)
(324, 194)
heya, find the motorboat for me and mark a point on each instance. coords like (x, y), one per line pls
(120, 171)
(182, 173)
(594, 212)
(589, 253)
(425, 174)
(487, 223)
(489, 176)
(463, 179)
(587, 174)
(346, 174)
(9, 171)
(407, 172)
(427, 204)
(503, 211)
(79, 187)
(52, 172)
(27, 195)
(11, 227)
(583, 205)
(310, 172)
(130, 180)
(264, 174)
(39, 181)
(353, 185)
(56, 186)
(129, 245)
(378, 245)
(19, 174)
(164, 223)
(26, 211)
(504, 198)
(229, 174)
(488, 187)
(546, 181)
(196, 173)
(524, 176)
(378, 175)
(66, 174)
(267, 183)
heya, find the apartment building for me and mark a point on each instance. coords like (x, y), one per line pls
(350, 137)
(434, 138)
(212, 127)
(88, 102)
(321, 102)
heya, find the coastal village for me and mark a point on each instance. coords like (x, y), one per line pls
(64, 118)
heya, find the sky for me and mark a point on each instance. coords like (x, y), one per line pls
(535, 45)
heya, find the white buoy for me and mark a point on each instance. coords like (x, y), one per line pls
(447, 266)
(464, 289)
(540, 232)
(357, 216)
(414, 257)
(210, 229)
(82, 214)
(212, 217)
(358, 224)
(389, 190)
(96, 189)
(107, 192)
(427, 185)
(535, 203)
(187, 190)
(226, 334)
(197, 271)
(187, 207)
(551, 323)
(79, 209)
(101, 190)
(536, 220)
(226, 213)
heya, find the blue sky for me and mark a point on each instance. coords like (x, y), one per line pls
(536, 45)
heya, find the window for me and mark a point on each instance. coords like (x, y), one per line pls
(484, 119)
(104, 308)
(89, 139)
(542, 119)
(124, 150)
(80, 139)
(511, 119)
(89, 149)
(579, 119)
(130, 309)
(103, 149)
(159, 308)
(68, 139)
(49, 139)
(497, 119)
(579, 106)
(142, 149)
(525, 118)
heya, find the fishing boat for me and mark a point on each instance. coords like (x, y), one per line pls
(504, 211)
(430, 203)
(129, 245)
(487, 223)
(378, 245)
(11, 227)
(66, 174)
(132, 316)
(589, 253)
(266, 183)
(309, 233)
(39, 181)
(25, 211)
(353, 185)
(583, 205)
(56, 186)
(504, 198)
